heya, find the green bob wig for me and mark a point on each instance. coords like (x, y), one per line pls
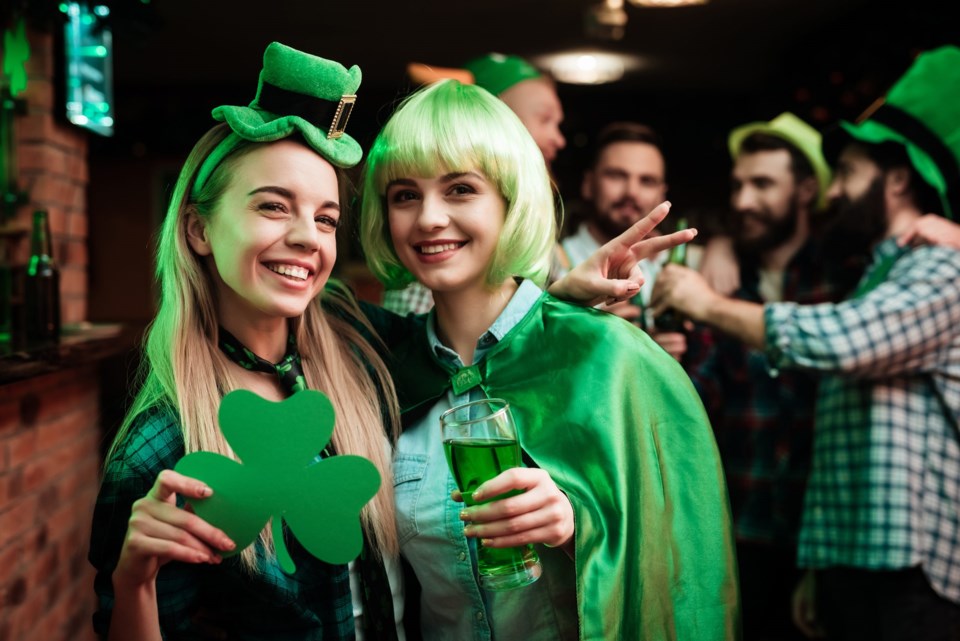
(449, 127)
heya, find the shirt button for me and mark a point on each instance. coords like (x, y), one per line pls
(462, 556)
(479, 616)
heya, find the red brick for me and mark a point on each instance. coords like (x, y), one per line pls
(67, 427)
(11, 556)
(79, 390)
(11, 486)
(9, 415)
(21, 447)
(77, 225)
(42, 52)
(34, 127)
(69, 137)
(39, 93)
(73, 252)
(45, 566)
(73, 310)
(19, 517)
(46, 467)
(73, 280)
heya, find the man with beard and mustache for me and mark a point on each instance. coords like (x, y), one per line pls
(880, 530)
(626, 179)
(764, 424)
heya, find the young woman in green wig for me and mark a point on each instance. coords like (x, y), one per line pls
(623, 492)
(243, 262)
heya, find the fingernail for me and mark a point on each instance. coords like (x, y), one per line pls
(215, 559)
(468, 530)
(485, 542)
(633, 287)
(205, 490)
(464, 515)
(228, 544)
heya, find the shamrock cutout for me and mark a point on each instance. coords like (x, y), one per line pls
(280, 479)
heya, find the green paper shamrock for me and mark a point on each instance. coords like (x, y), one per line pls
(280, 479)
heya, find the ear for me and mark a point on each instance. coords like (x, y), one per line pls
(586, 187)
(197, 233)
(807, 191)
(896, 181)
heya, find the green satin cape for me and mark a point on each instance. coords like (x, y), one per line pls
(619, 427)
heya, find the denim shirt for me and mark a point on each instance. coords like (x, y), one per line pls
(453, 607)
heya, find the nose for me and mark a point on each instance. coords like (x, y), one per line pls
(834, 191)
(433, 214)
(559, 140)
(303, 233)
(744, 199)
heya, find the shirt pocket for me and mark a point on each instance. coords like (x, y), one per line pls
(408, 473)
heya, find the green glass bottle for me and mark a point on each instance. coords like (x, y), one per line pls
(670, 320)
(42, 285)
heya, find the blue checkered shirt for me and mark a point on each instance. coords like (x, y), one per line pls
(884, 491)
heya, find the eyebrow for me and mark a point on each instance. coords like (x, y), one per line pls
(453, 175)
(289, 195)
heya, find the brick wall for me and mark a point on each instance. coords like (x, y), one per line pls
(53, 171)
(49, 475)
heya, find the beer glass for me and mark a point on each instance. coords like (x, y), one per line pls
(480, 441)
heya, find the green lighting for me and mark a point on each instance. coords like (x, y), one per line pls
(63, 7)
(86, 19)
(101, 10)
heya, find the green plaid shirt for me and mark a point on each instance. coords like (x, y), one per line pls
(884, 491)
(200, 601)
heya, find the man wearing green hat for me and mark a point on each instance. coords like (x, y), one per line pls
(764, 424)
(880, 530)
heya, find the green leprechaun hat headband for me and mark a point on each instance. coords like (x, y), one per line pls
(795, 131)
(497, 72)
(922, 113)
(297, 93)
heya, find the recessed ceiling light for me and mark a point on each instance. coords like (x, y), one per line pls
(588, 67)
(667, 3)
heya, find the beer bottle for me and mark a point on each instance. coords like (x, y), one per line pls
(670, 320)
(42, 285)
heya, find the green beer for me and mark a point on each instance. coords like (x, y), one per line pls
(480, 442)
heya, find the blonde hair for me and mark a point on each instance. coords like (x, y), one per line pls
(451, 127)
(185, 371)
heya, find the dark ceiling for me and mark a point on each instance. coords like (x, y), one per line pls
(707, 68)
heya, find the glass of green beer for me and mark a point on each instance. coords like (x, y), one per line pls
(480, 441)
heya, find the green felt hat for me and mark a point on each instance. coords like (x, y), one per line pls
(297, 93)
(795, 131)
(497, 72)
(921, 112)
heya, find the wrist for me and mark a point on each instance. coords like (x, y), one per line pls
(125, 584)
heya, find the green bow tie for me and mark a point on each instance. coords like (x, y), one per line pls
(288, 370)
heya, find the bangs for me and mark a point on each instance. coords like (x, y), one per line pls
(458, 130)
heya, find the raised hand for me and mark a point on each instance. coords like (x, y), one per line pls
(611, 273)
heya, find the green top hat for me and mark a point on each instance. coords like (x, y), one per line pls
(921, 112)
(297, 93)
(796, 132)
(497, 72)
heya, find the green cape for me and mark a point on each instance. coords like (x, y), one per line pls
(618, 425)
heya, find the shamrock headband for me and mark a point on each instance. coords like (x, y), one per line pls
(796, 132)
(922, 113)
(297, 93)
(497, 72)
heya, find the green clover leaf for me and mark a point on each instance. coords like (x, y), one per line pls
(280, 479)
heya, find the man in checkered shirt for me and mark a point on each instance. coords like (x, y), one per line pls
(880, 532)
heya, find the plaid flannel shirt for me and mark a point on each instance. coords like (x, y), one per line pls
(884, 491)
(764, 423)
(200, 601)
(412, 299)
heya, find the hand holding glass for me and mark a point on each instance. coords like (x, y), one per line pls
(480, 441)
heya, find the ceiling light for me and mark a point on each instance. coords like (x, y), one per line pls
(588, 67)
(667, 3)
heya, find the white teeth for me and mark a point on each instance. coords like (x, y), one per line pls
(436, 249)
(300, 273)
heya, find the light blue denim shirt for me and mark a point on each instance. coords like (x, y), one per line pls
(453, 607)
